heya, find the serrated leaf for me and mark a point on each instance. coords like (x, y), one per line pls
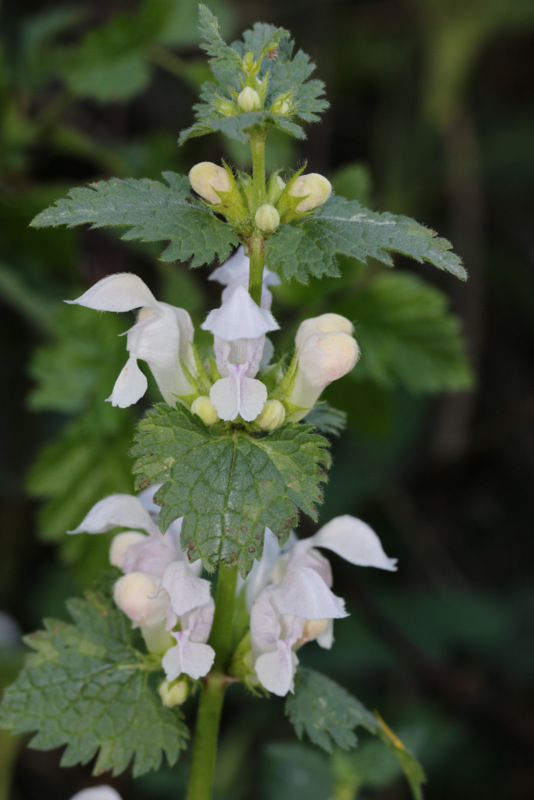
(328, 715)
(152, 211)
(325, 712)
(288, 75)
(87, 687)
(327, 419)
(407, 336)
(346, 227)
(228, 486)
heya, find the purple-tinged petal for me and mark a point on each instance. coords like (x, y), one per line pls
(276, 670)
(189, 658)
(303, 593)
(185, 589)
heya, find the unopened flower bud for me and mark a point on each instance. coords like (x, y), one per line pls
(272, 415)
(207, 179)
(323, 358)
(174, 693)
(204, 408)
(267, 218)
(315, 189)
(325, 323)
(249, 100)
(225, 107)
(134, 594)
(120, 545)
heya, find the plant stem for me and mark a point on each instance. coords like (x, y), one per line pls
(212, 692)
(257, 261)
(256, 253)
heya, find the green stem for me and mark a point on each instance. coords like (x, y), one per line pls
(256, 253)
(257, 261)
(212, 692)
(221, 630)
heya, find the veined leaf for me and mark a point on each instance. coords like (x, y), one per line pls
(87, 687)
(152, 211)
(328, 714)
(346, 227)
(228, 486)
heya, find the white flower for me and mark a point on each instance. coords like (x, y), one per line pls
(235, 272)
(97, 793)
(239, 327)
(325, 351)
(291, 598)
(162, 337)
(160, 591)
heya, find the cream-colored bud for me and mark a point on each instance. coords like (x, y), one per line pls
(120, 544)
(325, 323)
(327, 357)
(204, 408)
(249, 100)
(323, 358)
(281, 183)
(207, 179)
(132, 594)
(315, 189)
(174, 693)
(272, 415)
(267, 218)
(312, 629)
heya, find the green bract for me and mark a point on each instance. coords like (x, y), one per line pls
(229, 485)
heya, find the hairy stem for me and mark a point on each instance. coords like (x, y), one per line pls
(212, 692)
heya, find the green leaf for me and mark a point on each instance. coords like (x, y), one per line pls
(152, 211)
(407, 336)
(111, 62)
(326, 712)
(328, 715)
(346, 227)
(225, 62)
(87, 687)
(228, 485)
(287, 75)
(327, 419)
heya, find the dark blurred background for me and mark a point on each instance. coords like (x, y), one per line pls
(432, 115)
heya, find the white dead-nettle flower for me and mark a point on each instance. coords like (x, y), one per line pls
(160, 591)
(239, 327)
(326, 350)
(104, 792)
(290, 596)
(162, 337)
(235, 272)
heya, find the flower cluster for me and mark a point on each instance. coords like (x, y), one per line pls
(160, 591)
(227, 388)
(288, 592)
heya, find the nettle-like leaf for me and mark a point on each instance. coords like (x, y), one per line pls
(328, 715)
(407, 336)
(346, 227)
(87, 687)
(287, 75)
(153, 212)
(229, 485)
